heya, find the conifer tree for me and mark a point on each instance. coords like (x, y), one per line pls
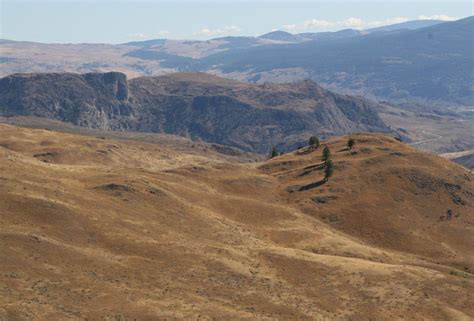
(314, 141)
(350, 143)
(328, 170)
(326, 154)
(274, 152)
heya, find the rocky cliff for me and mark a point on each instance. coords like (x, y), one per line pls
(195, 105)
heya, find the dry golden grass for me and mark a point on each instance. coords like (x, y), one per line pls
(122, 230)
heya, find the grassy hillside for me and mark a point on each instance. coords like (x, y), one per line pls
(120, 229)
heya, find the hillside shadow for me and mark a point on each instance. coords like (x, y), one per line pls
(312, 185)
(306, 150)
(309, 169)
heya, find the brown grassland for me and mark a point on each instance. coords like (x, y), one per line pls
(111, 229)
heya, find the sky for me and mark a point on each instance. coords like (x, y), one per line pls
(119, 21)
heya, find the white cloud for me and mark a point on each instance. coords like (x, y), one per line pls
(163, 33)
(137, 35)
(288, 28)
(386, 22)
(317, 23)
(322, 24)
(354, 23)
(141, 35)
(226, 30)
(437, 17)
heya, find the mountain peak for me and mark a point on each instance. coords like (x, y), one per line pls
(280, 35)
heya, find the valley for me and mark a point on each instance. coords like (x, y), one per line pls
(449, 135)
(236, 160)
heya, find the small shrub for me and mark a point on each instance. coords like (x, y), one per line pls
(459, 274)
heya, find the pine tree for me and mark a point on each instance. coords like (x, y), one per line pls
(350, 143)
(328, 170)
(326, 154)
(274, 152)
(314, 141)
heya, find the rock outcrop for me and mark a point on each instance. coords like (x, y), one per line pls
(196, 105)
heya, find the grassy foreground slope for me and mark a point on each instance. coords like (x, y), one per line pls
(120, 230)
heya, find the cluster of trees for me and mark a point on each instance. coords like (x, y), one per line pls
(314, 143)
(328, 164)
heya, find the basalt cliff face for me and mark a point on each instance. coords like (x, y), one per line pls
(195, 105)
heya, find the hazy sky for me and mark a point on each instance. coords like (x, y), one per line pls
(120, 21)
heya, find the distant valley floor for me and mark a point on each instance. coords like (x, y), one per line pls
(450, 136)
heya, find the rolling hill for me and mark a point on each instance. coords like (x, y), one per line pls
(113, 229)
(194, 105)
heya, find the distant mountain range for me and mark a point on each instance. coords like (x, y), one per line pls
(426, 62)
(409, 25)
(200, 106)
